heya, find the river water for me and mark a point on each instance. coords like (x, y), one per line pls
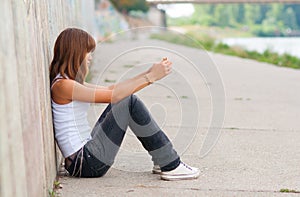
(280, 45)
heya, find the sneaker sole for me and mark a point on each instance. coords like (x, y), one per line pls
(179, 177)
(156, 171)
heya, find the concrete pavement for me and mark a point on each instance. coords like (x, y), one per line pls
(257, 153)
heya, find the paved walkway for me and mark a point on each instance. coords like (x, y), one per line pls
(257, 153)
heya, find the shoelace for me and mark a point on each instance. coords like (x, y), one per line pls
(185, 165)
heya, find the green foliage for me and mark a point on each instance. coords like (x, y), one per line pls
(109, 80)
(260, 19)
(290, 18)
(130, 5)
(128, 66)
(223, 15)
(56, 184)
(54, 192)
(192, 39)
(289, 191)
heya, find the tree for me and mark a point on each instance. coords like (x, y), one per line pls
(222, 15)
(296, 9)
(264, 8)
(202, 15)
(252, 14)
(129, 5)
(277, 11)
(290, 19)
(261, 19)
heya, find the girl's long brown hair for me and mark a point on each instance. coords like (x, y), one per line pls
(70, 49)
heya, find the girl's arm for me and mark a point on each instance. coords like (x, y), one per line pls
(72, 90)
(89, 85)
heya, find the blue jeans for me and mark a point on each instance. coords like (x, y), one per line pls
(98, 155)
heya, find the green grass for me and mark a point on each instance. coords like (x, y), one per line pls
(205, 42)
(109, 80)
(233, 128)
(54, 192)
(215, 32)
(128, 66)
(184, 97)
(289, 191)
(238, 99)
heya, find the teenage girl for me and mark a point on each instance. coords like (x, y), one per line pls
(91, 152)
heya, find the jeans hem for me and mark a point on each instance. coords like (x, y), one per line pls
(171, 166)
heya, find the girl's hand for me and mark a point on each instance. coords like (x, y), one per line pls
(160, 70)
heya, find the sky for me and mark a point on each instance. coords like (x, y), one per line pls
(177, 10)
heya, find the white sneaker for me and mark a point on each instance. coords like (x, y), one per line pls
(182, 172)
(156, 169)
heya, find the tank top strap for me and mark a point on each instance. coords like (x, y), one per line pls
(56, 79)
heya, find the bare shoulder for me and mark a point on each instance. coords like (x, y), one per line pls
(63, 84)
(63, 88)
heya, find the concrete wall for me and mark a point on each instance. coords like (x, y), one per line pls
(28, 30)
(108, 20)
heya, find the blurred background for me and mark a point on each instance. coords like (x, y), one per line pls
(267, 32)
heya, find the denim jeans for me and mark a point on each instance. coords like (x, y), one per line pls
(98, 155)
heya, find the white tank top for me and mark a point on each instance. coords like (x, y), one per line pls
(72, 129)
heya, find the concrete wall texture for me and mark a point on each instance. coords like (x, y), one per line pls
(28, 163)
(107, 20)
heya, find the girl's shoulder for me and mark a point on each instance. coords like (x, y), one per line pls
(62, 90)
(60, 83)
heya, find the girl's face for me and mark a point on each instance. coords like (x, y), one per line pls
(87, 61)
(88, 58)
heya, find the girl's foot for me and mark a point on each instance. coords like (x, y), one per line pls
(182, 172)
